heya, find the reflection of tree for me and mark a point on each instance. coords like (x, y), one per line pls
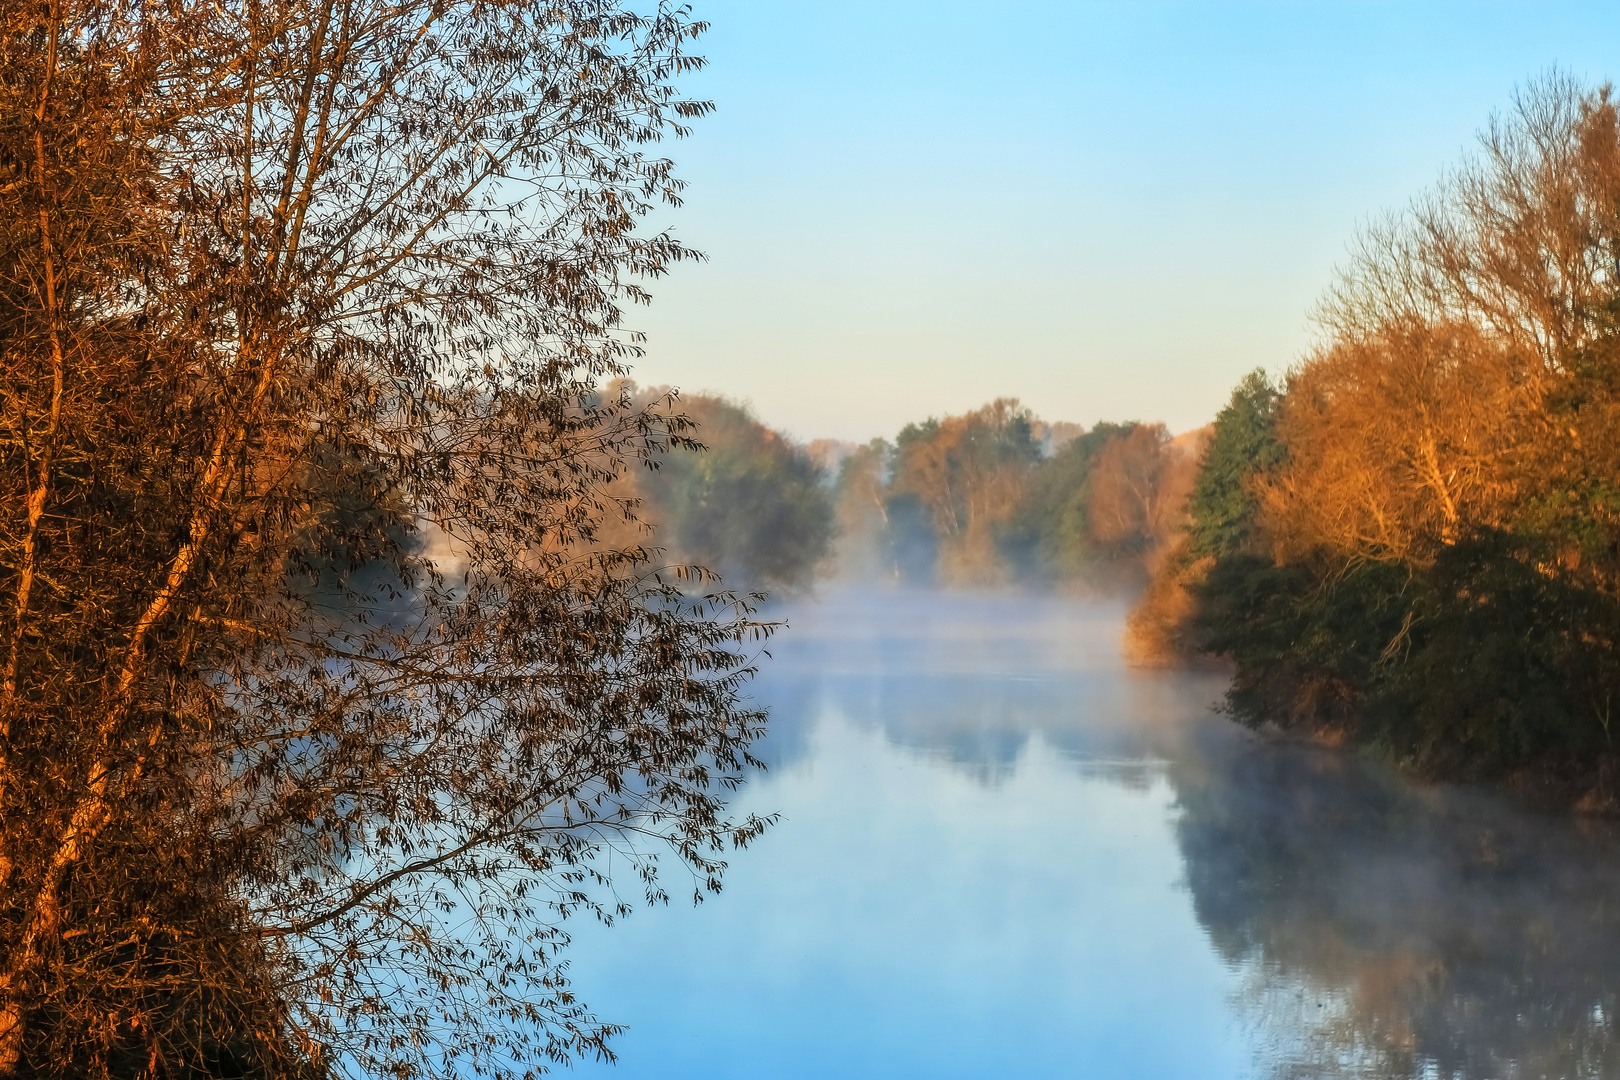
(970, 679)
(1386, 931)
(977, 724)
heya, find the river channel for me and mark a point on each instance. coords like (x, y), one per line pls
(1005, 853)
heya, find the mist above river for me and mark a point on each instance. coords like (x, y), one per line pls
(1003, 852)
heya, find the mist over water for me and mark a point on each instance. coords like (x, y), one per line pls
(1005, 853)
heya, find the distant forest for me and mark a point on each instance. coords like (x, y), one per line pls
(995, 496)
(1410, 541)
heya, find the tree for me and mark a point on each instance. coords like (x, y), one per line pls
(322, 693)
(1220, 518)
(1468, 367)
(1418, 542)
(1398, 444)
(1222, 508)
(750, 505)
(968, 471)
(1129, 503)
(866, 535)
(1049, 535)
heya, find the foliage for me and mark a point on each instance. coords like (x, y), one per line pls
(968, 472)
(1417, 541)
(1220, 520)
(751, 506)
(976, 499)
(882, 536)
(1221, 509)
(1510, 659)
(1304, 647)
(1050, 535)
(1139, 490)
(324, 697)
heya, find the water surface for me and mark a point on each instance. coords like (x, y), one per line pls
(1003, 853)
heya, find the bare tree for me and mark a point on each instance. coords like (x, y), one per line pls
(323, 697)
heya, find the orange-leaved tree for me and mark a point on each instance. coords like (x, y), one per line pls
(322, 692)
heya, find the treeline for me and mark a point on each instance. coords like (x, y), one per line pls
(992, 496)
(1413, 541)
(997, 496)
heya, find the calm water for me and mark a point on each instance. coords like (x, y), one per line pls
(1005, 854)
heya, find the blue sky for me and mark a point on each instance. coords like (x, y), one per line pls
(1106, 210)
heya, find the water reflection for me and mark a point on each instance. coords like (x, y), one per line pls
(1004, 854)
(1386, 931)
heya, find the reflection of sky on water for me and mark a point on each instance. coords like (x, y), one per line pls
(1004, 854)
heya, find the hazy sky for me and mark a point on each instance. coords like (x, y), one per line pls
(1107, 210)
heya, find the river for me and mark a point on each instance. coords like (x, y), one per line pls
(1005, 853)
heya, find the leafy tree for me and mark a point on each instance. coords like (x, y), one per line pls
(1050, 535)
(867, 531)
(750, 505)
(973, 499)
(976, 499)
(1138, 490)
(969, 472)
(1506, 659)
(1304, 650)
(1222, 508)
(323, 695)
